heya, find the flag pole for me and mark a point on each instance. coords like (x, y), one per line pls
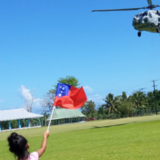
(50, 118)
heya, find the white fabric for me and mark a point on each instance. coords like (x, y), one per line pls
(33, 156)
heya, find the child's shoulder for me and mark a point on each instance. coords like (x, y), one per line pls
(33, 156)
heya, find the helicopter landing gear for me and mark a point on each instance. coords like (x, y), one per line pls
(139, 34)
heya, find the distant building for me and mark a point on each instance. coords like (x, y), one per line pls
(62, 116)
(18, 119)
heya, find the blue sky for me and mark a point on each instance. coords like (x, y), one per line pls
(42, 41)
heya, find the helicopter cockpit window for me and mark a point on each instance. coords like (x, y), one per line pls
(158, 19)
(144, 14)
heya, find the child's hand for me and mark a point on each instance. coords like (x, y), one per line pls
(46, 134)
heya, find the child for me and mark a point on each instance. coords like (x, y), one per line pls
(19, 146)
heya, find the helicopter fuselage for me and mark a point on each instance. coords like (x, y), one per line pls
(147, 21)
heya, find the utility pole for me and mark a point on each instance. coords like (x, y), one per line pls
(154, 94)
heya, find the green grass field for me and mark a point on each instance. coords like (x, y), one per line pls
(122, 139)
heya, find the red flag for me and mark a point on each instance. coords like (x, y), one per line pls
(69, 97)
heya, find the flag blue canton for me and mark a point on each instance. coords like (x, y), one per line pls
(62, 89)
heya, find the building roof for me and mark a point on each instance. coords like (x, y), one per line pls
(15, 114)
(65, 113)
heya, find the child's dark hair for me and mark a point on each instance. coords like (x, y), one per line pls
(18, 145)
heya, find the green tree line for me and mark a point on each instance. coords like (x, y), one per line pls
(137, 104)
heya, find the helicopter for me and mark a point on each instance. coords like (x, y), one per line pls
(145, 21)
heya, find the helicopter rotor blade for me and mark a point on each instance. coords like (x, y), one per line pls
(125, 9)
(150, 2)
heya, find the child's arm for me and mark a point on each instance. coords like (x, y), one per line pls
(44, 144)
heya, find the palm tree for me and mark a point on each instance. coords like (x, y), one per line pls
(111, 103)
(123, 97)
(139, 99)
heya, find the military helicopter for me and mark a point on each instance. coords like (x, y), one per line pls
(145, 21)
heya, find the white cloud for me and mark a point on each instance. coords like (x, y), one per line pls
(37, 102)
(25, 93)
(28, 97)
(88, 89)
(95, 98)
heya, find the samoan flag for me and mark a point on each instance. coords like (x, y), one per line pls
(69, 97)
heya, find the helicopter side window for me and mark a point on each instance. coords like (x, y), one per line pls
(145, 19)
(159, 19)
(150, 15)
(158, 12)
